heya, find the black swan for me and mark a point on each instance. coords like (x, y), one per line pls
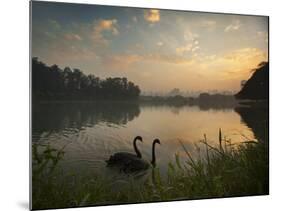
(138, 164)
(121, 158)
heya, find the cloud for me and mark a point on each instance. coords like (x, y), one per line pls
(211, 24)
(184, 49)
(191, 46)
(210, 57)
(52, 30)
(235, 64)
(72, 37)
(263, 35)
(100, 26)
(54, 24)
(121, 61)
(152, 15)
(191, 43)
(160, 43)
(245, 55)
(50, 35)
(64, 53)
(124, 61)
(235, 25)
(190, 36)
(195, 48)
(167, 58)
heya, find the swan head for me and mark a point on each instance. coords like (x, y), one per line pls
(156, 141)
(138, 138)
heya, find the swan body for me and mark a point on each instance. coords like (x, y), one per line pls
(135, 165)
(131, 163)
(138, 164)
(122, 158)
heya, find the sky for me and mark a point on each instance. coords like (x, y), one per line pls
(156, 49)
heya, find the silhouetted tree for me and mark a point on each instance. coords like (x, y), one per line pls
(257, 87)
(53, 83)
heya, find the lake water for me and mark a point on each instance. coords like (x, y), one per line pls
(91, 132)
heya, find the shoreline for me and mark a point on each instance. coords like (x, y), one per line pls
(165, 102)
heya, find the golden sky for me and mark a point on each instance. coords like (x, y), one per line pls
(157, 49)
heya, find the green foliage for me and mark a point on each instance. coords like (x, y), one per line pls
(226, 170)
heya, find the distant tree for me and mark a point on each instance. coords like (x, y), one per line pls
(204, 96)
(174, 92)
(243, 82)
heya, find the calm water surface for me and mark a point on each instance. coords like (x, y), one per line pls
(91, 132)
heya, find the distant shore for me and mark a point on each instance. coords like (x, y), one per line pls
(227, 102)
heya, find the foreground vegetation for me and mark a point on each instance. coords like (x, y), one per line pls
(218, 171)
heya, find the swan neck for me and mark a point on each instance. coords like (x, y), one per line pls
(153, 162)
(136, 148)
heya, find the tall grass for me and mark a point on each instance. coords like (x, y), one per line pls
(224, 170)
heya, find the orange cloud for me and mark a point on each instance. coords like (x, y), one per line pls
(235, 64)
(191, 46)
(124, 61)
(246, 55)
(184, 49)
(152, 15)
(166, 58)
(100, 27)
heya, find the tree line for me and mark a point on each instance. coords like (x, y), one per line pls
(53, 83)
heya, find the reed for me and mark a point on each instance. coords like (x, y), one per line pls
(226, 170)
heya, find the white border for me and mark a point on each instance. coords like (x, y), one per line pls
(14, 116)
